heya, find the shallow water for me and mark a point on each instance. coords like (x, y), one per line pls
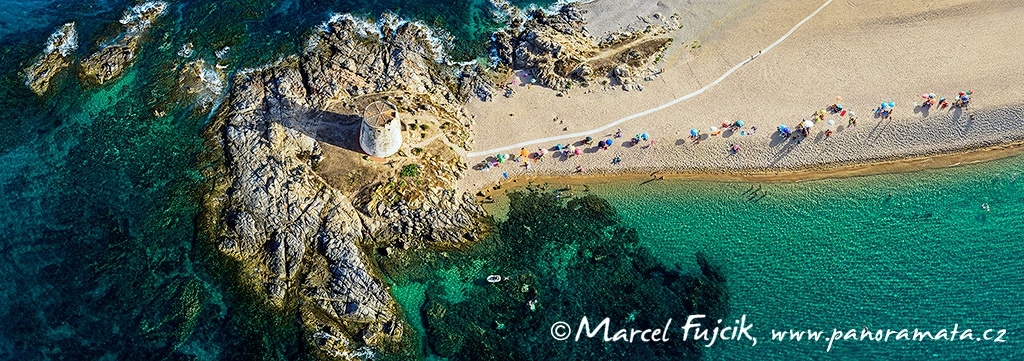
(895, 251)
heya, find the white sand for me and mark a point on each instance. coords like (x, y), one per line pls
(865, 51)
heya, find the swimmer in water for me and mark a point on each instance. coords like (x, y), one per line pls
(985, 207)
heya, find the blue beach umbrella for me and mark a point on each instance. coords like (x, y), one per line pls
(739, 123)
(694, 132)
(892, 104)
(608, 142)
(644, 136)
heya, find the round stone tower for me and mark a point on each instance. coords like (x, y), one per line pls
(381, 133)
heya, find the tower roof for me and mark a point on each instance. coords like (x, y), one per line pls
(379, 113)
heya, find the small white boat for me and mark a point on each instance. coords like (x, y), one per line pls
(494, 278)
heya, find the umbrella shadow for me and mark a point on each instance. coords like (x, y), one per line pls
(879, 128)
(777, 138)
(819, 137)
(782, 153)
(727, 133)
(923, 109)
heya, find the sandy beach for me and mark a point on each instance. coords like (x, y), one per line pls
(867, 52)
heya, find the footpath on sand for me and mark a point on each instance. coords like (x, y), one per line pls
(654, 109)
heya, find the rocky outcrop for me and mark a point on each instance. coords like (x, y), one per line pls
(111, 60)
(57, 56)
(557, 51)
(200, 83)
(298, 238)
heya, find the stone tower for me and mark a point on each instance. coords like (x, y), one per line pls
(381, 132)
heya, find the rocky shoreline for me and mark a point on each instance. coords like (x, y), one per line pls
(296, 202)
(292, 200)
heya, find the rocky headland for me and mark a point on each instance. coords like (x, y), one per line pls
(309, 216)
(559, 52)
(298, 204)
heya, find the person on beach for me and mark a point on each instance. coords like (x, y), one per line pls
(828, 133)
(618, 133)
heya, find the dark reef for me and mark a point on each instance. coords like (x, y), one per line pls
(574, 259)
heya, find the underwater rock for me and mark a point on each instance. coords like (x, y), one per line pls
(570, 259)
(111, 60)
(57, 56)
(201, 83)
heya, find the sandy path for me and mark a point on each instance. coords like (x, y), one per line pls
(650, 110)
(866, 51)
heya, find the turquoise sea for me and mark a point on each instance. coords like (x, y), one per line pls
(100, 259)
(884, 252)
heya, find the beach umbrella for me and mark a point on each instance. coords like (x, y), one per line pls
(831, 122)
(558, 146)
(851, 113)
(964, 98)
(608, 142)
(577, 151)
(892, 104)
(524, 153)
(839, 99)
(543, 151)
(694, 132)
(588, 139)
(884, 104)
(924, 96)
(808, 124)
(713, 129)
(931, 95)
(735, 147)
(961, 93)
(571, 148)
(644, 136)
(501, 157)
(739, 123)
